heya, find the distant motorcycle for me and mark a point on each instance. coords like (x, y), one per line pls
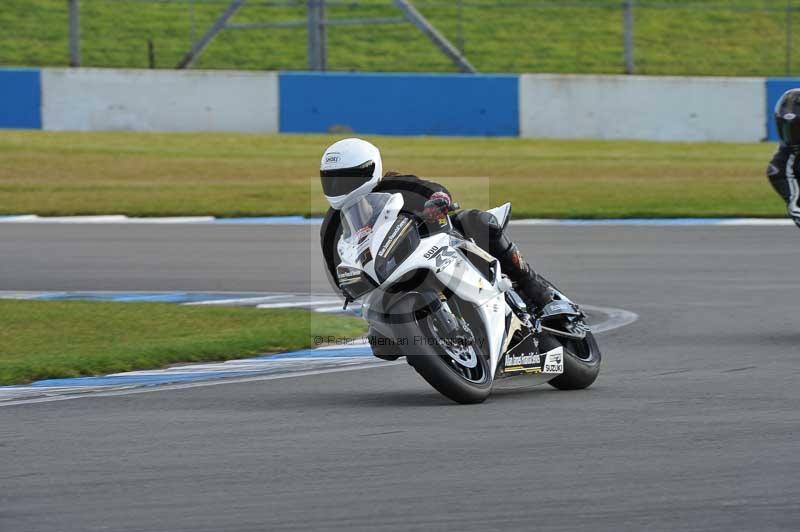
(445, 305)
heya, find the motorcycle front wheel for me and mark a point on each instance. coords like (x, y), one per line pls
(460, 370)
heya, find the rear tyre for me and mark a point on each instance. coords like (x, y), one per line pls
(581, 362)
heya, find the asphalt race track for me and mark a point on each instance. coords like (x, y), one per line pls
(692, 424)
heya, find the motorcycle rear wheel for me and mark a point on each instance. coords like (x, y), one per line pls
(581, 362)
(581, 358)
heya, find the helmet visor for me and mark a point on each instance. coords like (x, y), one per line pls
(343, 181)
(789, 130)
(787, 117)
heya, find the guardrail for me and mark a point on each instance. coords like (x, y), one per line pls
(528, 105)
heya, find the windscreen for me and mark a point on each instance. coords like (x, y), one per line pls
(362, 215)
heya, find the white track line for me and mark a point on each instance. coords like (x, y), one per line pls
(19, 295)
(667, 222)
(202, 384)
(293, 304)
(617, 318)
(110, 218)
(279, 220)
(335, 308)
(240, 301)
(18, 219)
(762, 222)
(170, 220)
(104, 219)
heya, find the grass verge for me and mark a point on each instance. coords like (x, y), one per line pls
(155, 174)
(44, 339)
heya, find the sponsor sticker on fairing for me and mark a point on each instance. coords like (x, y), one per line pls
(397, 231)
(430, 252)
(525, 359)
(348, 275)
(443, 256)
(554, 361)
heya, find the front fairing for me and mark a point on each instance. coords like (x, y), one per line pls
(358, 249)
(441, 253)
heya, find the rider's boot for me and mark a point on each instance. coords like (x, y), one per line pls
(534, 289)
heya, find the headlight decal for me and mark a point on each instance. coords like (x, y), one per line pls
(400, 242)
(353, 282)
(399, 230)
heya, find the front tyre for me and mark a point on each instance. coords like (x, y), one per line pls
(458, 370)
(581, 362)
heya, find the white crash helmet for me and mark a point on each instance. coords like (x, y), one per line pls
(349, 169)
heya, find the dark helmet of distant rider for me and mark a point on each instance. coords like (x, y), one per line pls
(349, 169)
(787, 119)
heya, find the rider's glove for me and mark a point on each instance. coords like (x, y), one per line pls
(437, 207)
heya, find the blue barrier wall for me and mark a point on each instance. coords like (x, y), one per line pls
(775, 89)
(400, 104)
(20, 99)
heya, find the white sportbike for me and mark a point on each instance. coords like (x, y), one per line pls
(441, 301)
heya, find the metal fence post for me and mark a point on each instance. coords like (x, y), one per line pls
(193, 26)
(74, 33)
(627, 21)
(322, 35)
(788, 37)
(311, 34)
(317, 52)
(151, 54)
(461, 44)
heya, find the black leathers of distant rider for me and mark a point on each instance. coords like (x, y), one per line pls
(784, 175)
(481, 226)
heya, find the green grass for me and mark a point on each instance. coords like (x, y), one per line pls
(44, 339)
(688, 37)
(147, 174)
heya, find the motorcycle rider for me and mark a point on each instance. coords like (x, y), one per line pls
(352, 168)
(784, 169)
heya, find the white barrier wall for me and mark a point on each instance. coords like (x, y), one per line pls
(159, 100)
(643, 108)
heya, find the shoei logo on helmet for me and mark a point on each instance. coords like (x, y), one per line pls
(332, 158)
